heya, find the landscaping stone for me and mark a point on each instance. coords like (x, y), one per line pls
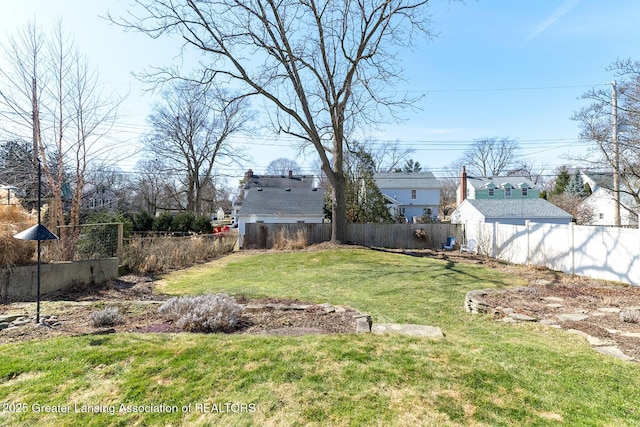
(550, 323)
(363, 322)
(519, 317)
(614, 352)
(362, 326)
(631, 334)
(408, 329)
(555, 305)
(474, 302)
(328, 308)
(8, 318)
(572, 317)
(609, 309)
(553, 299)
(4, 325)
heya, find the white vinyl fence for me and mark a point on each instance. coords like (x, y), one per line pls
(600, 252)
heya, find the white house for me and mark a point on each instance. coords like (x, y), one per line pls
(509, 211)
(601, 203)
(413, 195)
(507, 200)
(274, 205)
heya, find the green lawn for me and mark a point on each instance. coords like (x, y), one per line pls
(483, 373)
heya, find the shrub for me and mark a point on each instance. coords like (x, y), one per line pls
(630, 316)
(107, 317)
(207, 313)
(142, 221)
(183, 222)
(202, 225)
(163, 222)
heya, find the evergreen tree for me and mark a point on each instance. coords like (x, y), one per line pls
(409, 167)
(575, 187)
(364, 201)
(561, 181)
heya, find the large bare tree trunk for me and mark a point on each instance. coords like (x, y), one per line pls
(324, 66)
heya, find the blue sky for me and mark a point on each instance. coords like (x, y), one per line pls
(497, 68)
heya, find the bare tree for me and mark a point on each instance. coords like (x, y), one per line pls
(149, 186)
(191, 131)
(596, 127)
(282, 166)
(491, 156)
(530, 170)
(54, 95)
(450, 180)
(386, 155)
(322, 65)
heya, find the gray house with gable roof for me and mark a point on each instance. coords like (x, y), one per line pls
(282, 200)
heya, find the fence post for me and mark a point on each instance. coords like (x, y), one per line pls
(120, 239)
(494, 241)
(572, 248)
(527, 225)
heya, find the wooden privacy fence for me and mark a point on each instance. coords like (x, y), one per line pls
(393, 236)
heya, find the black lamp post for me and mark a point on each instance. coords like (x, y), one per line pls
(38, 232)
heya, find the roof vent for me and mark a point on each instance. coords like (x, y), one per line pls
(287, 189)
(314, 189)
(259, 189)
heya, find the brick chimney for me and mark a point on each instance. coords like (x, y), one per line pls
(463, 185)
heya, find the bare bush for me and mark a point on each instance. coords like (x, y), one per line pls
(148, 255)
(107, 317)
(630, 316)
(207, 313)
(421, 234)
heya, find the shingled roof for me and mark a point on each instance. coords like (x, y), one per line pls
(413, 180)
(283, 201)
(518, 208)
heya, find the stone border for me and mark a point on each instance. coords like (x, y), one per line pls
(476, 304)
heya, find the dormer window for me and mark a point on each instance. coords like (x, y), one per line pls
(507, 192)
(525, 191)
(491, 192)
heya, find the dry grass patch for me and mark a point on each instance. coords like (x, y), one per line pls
(157, 254)
(285, 240)
(14, 219)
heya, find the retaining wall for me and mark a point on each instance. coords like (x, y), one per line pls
(21, 282)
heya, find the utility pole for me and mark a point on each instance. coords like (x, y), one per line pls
(616, 155)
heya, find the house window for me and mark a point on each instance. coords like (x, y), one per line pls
(601, 215)
(525, 192)
(507, 192)
(413, 194)
(491, 192)
(428, 211)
